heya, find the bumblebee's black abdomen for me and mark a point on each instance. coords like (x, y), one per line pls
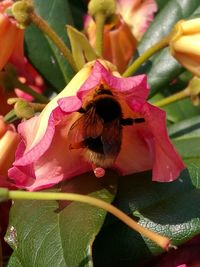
(108, 108)
(94, 144)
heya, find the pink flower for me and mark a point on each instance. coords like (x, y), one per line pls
(119, 42)
(123, 32)
(12, 51)
(9, 140)
(138, 14)
(90, 125)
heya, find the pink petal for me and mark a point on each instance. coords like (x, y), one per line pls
(29, 129)
(135, 86)
(135, 155)
(52, 113)
(138, 14)
(9, 33)
(39, 159)
(56, 164)
(122, 45)
(160, 155)
(167, 163)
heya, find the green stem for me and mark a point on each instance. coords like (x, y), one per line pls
(162, 241)
(100, 20)
(173, 98)
(147, 54)
(39, 97)
(43, 26)
(36, 106)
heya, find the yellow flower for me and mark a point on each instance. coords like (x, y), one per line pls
(185, 44)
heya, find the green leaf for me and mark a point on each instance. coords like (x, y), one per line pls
(82, 50)
(188, 144)
(180, 110)
(161, 3)
(78, 10)
(189, 126)
(163, 68)
(174, 10)
(39, 48)
(43, 233)
(172, 209)
(186, 138)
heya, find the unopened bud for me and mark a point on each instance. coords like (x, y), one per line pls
(107, 7)
(13, 100)
(185, 42)
(23, 110)
(21, 11)
(194, 88)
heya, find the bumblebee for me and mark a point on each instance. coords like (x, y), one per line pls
(99, 128)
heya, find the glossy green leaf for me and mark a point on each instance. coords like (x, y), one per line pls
(161, 3)
(189, 126)
(172, 209)
(180, 110)
(174, 10)
(41, 51)
(163, 68)
(82, 50)
(43, 233)
(78, 10)
(188, 145)
(186, 138)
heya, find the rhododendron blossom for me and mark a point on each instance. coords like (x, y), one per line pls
(44, 156)
(119, 43)
(123, 31)
(138, 14)
(185, 42)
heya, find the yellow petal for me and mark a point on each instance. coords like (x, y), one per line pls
(8, 145)
(191, 26)
(188, 44)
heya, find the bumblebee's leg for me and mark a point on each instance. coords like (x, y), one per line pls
(81, 110)
(130, 121)
(138, 120)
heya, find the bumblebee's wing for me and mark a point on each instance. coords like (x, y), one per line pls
(88, 125)
(93, 124)
(111, 139)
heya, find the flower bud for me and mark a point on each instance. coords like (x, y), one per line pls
(185, 43)
(194, 89)
(119, 43)
(21, 11)
(107, 7)
(23, 109)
